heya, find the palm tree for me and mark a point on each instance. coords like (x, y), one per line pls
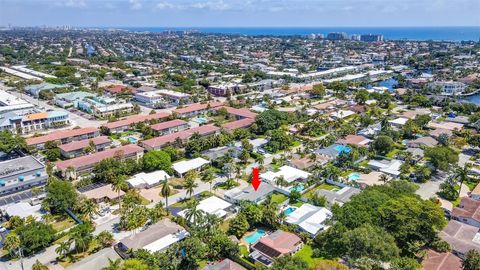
(384, 178)
(89, 208)
(63, 249)
(208, 177)
(192, 213)
(260, 159)
(461, 174)
(12, 243)
(157, 212)
(190, 185)
(166, 190)
(118, 184)
(113, 265)
(39, 266)
(280, 181)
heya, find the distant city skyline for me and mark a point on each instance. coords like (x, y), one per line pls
(238, 13)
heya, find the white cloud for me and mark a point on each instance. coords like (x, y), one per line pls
(71, 3)
(135, 4)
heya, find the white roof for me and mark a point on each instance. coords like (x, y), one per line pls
(289, 173)
(342, 114)
(392, 167)
(23, 210)
(212, 205)
(166, 241)
(399, 121)
(186, 165)
(148, 178)
(309, 217)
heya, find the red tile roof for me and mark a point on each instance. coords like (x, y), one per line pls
(136, 119)
(168, 124)
(352, 139)
(162, 140)
(278, 243)
(182, 135)
(92, 159)
(77, 145)
(58, 135)
(242, 123)
(441, 261)
(245, 113)
(204, 130)
(197, 107)
(468, 208)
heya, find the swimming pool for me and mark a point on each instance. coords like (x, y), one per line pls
(254, 237)
(298, 188)
(132, 139)
(289, 210)
(201, 120)
(343, 149)
(354, 176)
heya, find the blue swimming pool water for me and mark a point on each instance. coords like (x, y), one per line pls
(201, 120)
(132, 139)
(354, 176)
(254, 237)
(289, 210)
(298, 188)
(343, 149)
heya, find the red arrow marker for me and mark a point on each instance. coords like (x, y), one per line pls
(256, 179)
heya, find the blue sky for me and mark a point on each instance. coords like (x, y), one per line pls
(230, 13)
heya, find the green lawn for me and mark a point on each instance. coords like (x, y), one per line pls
(312, 191)
(392, 153)
(306, 254)
(297, 204)
(278, 197)
(63, 224)
(183, 204)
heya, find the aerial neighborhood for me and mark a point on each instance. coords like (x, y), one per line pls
(136, 150)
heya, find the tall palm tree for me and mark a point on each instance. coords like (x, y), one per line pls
(192, 213)
(208, 177)
(63, 249)
(260, 159)
(384, 178)
(39, 266)
(190, 185)
(462, 174)
(118, 184)
(280, 181)
(89, 208)
(166, 190)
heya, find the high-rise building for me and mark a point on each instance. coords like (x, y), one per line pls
(337, 36)
(371, 37)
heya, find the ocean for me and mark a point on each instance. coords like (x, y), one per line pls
(460, 33)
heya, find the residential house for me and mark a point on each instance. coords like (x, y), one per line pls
(77, 148)
(309, 218)
(169, 127)
(461, 237)
(389, 167)
(226, 264)
(236, 195)
(357, 140)
(126, 124)
(148, 180)
(340, 196)
(441, 261)
(63, 136)
(184, 166)
(156, 237)
(467, 211)
(426, 141)
(100, 193)
(196, 109)
(73, 168)
(275, 245)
